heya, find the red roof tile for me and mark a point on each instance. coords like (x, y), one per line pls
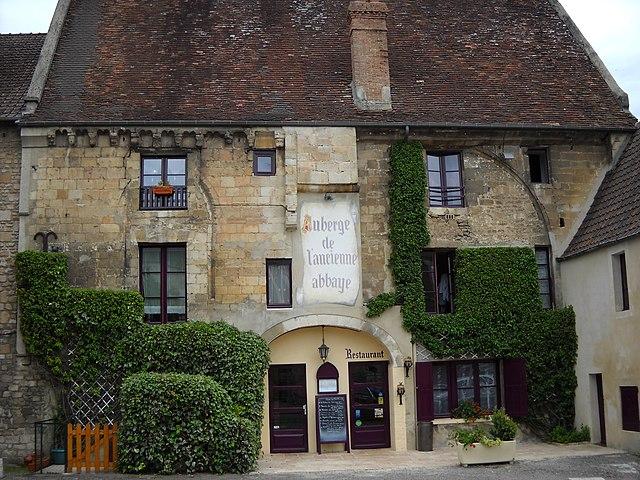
(498, 62)
(18, 57)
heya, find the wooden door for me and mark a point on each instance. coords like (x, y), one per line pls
(288, 409)
(369, 405)
(601, 418)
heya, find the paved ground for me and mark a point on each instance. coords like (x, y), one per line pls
(534, 462)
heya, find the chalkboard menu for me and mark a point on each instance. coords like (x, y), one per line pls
(331, 420)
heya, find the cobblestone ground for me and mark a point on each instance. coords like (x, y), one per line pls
(602, 467)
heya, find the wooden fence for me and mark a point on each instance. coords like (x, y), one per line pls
(91, 448)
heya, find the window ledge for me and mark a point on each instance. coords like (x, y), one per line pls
(445, 211)
(458, 421)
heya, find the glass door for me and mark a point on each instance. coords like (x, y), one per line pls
(369, 399)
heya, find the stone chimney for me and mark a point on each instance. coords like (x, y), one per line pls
(371, 84)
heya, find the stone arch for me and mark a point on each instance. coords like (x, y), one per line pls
(338, 321)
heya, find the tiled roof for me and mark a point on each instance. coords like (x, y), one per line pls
(18, 57)
(458, 62)
(615, 213)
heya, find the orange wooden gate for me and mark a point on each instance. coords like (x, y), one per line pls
(91, 448)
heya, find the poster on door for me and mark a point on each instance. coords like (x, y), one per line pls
(330, 252)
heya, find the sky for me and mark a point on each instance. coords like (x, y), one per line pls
(612, 28)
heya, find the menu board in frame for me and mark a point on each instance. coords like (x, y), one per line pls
(332, 424)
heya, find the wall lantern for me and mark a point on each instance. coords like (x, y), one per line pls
(400, 391)
(408, 363)
(323, 350)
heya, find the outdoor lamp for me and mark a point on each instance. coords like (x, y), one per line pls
(408, 363)
(323, 350)
(400, 391)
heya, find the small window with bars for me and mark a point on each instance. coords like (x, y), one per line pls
(163, 183)
(445, 180)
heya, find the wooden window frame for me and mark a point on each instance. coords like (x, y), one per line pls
(452, 380)
(178, 201)
(547, 165)
(547, 250)
(280, 261)
(264, 153)
(163, 278)
(452, 254)
(444, 193)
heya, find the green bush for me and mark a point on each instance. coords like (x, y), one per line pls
(561, 434)
(236, 360)
(503, 428)
(56, 318)
(176, 423)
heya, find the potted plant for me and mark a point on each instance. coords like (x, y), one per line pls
(477, 446)
(162, 189)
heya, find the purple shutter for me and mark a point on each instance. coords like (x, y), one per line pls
(424, 391)
(515, 387)
(630, 409)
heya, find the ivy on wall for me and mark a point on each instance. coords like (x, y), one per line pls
(55, 318)
(498, 309)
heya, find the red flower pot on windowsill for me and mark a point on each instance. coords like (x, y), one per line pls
(162, 190)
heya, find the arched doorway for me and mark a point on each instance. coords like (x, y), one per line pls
(364, 367)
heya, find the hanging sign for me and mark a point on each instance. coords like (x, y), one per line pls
(330, 252)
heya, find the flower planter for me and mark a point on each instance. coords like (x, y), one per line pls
(162, 190)
(478, 454)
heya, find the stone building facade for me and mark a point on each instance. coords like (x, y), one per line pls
(25, 389)
(295, 250)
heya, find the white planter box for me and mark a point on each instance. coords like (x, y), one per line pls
(477, 453)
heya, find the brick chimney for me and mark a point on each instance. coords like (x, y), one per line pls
(371, 84)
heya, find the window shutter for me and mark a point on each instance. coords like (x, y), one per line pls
(515, 387)
(424, 391)
(630, 409)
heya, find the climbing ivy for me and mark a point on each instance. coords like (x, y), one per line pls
(498, 310)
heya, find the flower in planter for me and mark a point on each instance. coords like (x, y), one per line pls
(162, 189)
(470, 412)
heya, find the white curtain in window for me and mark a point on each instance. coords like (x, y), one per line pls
(279, 284)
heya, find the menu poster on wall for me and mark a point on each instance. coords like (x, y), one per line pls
(330, 252)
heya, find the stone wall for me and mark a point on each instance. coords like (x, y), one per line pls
(502, 206)
(25, 389)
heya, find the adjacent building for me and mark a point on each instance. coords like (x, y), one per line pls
(230, 161)
(25, 394)
(600, 278)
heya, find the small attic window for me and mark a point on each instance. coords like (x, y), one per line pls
(538, 165)
(264, 162)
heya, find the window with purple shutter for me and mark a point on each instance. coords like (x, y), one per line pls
(630, 409)
(515, 387)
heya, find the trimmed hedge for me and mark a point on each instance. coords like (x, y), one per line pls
(498, 310)
(236, 360)
(176, 423)
(55, 317)
(182, 417)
